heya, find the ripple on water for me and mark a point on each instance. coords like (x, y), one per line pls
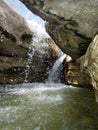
(47, 107)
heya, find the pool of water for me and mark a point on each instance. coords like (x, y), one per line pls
(47, 107)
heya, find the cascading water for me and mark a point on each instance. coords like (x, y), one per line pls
(55, 72)
(39, 34)
(29, 61)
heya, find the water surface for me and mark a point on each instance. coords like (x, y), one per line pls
(47, 107)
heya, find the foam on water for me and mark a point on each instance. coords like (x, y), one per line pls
(26, 88)
(52, 106)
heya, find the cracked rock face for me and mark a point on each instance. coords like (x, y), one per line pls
(72, 24)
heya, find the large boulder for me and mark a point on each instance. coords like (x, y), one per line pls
(89, 64)
(15, 35)
(16, 48)
(72, 24)
(13, 25)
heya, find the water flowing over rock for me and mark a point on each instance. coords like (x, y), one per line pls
(15, 41)
(55, 75)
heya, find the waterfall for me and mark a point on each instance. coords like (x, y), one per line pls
(33, 48)
(56, 70)
(38, 37)
(39, 34)
(29, 61)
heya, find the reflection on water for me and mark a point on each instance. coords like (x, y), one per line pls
(47, 107)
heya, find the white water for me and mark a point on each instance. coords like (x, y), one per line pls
(29, 61)
(39, 106)
(39, 34)
(54, 73)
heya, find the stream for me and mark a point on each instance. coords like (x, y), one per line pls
(47, 106)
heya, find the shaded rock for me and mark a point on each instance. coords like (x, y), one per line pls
(11, 70)
(73, 76)
(89, 64)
